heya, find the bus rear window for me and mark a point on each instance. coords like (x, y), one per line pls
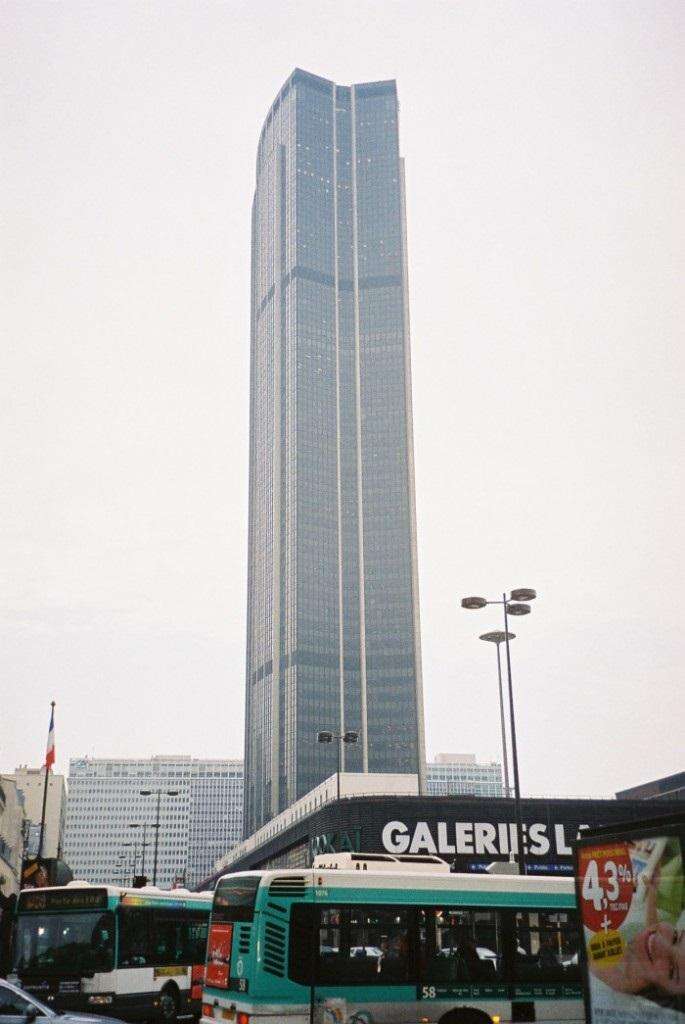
(235, 898)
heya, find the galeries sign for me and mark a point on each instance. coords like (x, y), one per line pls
(479, 838)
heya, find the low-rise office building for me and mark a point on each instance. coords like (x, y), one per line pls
(31, 784)
(462, 775)
(200, 817)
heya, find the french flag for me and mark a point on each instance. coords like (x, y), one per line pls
(50, 752)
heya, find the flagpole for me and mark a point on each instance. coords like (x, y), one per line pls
(45, 789)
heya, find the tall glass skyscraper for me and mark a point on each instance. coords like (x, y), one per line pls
(333, 638)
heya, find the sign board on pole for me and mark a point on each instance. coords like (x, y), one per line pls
(631, 896)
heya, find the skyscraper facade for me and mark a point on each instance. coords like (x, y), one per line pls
(333, 638)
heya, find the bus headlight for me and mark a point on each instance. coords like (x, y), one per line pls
(100, 1000)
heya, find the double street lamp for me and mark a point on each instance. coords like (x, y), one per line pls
(326, 736)
(159, 793)
(120, 868)
(497, 637)
(131, 862)
(145, 844)
(516, 604)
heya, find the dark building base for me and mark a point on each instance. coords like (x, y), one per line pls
(468, 832)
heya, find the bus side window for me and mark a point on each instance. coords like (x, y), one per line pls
(460, 945)
(329, 944)
(379, 946)
(546, 946)
(167, 946)
(134, 937)
(194, 938)
(324, 961)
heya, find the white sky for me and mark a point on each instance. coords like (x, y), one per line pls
(544, 144)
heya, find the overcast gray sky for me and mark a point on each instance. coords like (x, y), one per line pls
(544, 144)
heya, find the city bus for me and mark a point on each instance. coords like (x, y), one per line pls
(383, 939)
(135, 954)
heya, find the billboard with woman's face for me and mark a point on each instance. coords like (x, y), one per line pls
(631, 895)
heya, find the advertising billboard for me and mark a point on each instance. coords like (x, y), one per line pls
(218, 969)
(631, 896)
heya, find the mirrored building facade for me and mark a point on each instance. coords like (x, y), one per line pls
(333, 638)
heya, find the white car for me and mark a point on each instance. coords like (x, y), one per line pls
(370, 951)
(486, 954)
(483, 953)
(18, 1007)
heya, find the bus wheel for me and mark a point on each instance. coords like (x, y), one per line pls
(168, 1004)
(465, 1015)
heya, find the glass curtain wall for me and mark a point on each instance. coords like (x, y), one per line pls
(333, 626)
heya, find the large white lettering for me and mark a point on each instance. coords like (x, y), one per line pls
(560, 839)
(395, 837)
(480, 838)
(422, 840)
(464, 833)
(443, 845)
(484, 837)
(537, 837)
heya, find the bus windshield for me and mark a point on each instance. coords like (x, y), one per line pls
(235, 898)
(71, 943)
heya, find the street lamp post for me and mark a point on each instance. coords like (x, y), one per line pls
(136, 824)
(119, 868)
(516, 604)
(159, 793)
(133, 859)
(497, 638)
(326, 736)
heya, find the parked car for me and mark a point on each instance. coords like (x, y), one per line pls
(18, 1006)
(487, 954)
(483, 953)
(371, 951)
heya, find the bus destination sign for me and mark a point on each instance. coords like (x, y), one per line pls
(63, 899)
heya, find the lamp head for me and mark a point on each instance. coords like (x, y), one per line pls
(523, 594)
(350, 737)
(473, 602)
(324, 737)
(518, 609)
(497, 637)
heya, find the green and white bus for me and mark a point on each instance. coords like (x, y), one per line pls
(136, 954)
(381, 939)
